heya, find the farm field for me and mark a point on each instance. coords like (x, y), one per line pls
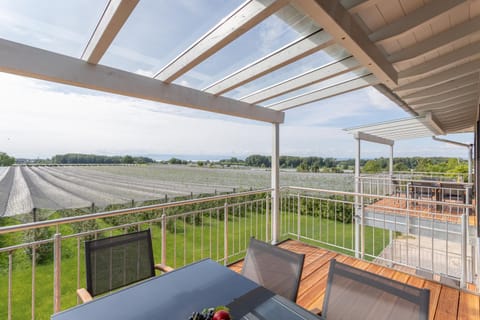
(23, 188)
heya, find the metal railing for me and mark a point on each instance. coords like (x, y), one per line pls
(48, 260)
(408, 232)
(45, 264)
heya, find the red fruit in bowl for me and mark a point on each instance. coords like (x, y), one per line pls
(221, 315)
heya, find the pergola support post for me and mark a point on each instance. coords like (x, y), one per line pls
(357, 200)
(276, 184)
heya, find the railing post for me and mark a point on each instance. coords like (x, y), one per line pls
(57, 260)
(463, 278)
(225, 233)
(299, 215)
(362, 224)
(10, 285)
(163, 259)
(267, 219)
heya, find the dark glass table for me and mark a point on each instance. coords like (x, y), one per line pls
(175, 295)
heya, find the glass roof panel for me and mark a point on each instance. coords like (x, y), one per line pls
(55, 25)
(153, 35)
(271, 34)
(315, 60)
(324, 84)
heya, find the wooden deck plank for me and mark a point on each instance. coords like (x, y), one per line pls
(468, 307)
(447, 306)
(445, 302)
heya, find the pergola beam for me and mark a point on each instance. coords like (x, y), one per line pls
(414, 19)
(114, 17)
(372, 138)
(442, 77)
(240, 21)
(437, 41)
(432, 123)
(36, 63)
(338, 22)
(443, 61)
(324, 93)
(310, 77)
(354, 6)
(286, 55)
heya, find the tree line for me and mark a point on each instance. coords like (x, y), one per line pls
(317, 164)
(79, 158)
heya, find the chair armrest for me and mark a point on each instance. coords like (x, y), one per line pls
(84, 295)
(163, 268)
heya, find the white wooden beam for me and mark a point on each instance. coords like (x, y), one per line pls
(355, 6)
(310, 77)
(240, 21)
(114, 17)
(372, 138)
(447, 104)
(414, 19)
(343, 27)
(395, 98)
(288, 54)
(444, 87)
(446, 60)
(467, 108)
(432, 123)
(451, 95)
(32, 62)
(324, 93)
(437, 41)
(441, 77)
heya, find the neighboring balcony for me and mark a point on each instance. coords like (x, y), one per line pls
(42, 263)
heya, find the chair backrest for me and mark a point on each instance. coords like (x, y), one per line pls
(118, 261)
(276, 269)
(357, 294)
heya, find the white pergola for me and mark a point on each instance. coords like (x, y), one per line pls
(423, 55)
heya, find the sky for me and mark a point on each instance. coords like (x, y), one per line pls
(40, 119)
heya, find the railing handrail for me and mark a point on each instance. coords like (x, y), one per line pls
(119, 212)
(375, 196)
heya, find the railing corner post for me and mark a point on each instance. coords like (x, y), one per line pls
(299, 216)
(57, 258)
(225, 233)
(163, 259)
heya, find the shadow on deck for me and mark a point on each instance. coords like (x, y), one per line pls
(445, 302)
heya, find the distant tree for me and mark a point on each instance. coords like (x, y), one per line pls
(128, 159)
(6, 160)
(400, 167)
(372, 166)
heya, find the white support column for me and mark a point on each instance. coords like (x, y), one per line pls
(470, 172)
(357, 200)
(276, 184)
(390, 171)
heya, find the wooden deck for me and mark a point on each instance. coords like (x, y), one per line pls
(444, 212)
(445, 302)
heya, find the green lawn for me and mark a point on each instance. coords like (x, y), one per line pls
(185, 243)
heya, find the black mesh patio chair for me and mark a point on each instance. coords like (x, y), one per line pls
(274, 268)
(357, 294)
(118, 261)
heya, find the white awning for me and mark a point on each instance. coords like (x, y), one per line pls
(410, 128)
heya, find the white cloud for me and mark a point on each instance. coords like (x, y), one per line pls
(39, 120)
